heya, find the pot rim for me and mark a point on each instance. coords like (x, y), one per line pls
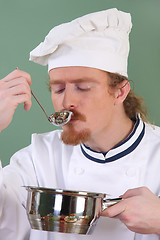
(64, 192)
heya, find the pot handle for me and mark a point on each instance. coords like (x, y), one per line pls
(110, 202)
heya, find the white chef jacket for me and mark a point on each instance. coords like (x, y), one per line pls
(47, 162)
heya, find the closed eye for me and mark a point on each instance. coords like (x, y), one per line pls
(57, 88)
(83, 86)
(83, 89)
(59, 91)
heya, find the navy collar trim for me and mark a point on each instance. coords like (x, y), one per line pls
(131, 134)
(119, 151)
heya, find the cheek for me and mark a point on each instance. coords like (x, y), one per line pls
(103, 101)
(101, 109)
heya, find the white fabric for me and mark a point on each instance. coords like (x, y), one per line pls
(49, 163)
(98, 40)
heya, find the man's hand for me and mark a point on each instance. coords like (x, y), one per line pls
(139, 211)
(14, 89)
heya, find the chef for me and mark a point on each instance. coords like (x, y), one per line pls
(107, 147)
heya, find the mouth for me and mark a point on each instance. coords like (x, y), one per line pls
(73, 120)
(75, 117)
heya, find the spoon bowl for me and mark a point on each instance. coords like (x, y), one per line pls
(60, 118)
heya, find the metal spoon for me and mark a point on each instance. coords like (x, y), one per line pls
(58, 118)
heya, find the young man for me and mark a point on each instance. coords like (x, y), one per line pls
(106, 147)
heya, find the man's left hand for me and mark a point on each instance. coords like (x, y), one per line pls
(139, 211)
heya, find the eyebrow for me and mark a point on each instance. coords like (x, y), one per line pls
(56, 81)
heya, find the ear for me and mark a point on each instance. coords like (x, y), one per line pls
(122, 92)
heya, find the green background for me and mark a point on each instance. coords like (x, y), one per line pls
(25, 23)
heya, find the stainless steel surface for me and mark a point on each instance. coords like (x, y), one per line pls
(64, 211)
(58, 118)
(110, 202)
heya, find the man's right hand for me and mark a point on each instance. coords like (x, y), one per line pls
(14, 89)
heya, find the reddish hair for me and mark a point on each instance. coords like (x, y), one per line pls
(133, 104)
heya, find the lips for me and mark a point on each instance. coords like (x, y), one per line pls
(73, 120)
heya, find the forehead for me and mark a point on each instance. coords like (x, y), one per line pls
(71, 74)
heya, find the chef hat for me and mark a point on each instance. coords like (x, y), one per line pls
(98, 40)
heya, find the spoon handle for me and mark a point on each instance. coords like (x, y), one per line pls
(39, 104)
(110, 202)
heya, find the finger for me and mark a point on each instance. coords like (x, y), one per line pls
(17, 81)
(17, 74)
(19, 89)
(115, 210)
(27, 106)
(134, 192)
(16, 90)
(23, 98)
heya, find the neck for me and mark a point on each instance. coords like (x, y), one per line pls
(112, 135)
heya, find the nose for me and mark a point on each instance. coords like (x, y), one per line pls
(69, 98)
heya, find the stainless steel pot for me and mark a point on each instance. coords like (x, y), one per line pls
(65, 211)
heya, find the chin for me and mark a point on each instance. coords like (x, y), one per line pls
(70, 136)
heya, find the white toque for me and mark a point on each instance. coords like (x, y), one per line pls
(98, 40)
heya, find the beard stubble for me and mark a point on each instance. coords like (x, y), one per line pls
(70, 136)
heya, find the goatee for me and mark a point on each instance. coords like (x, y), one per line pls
(70, 136)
